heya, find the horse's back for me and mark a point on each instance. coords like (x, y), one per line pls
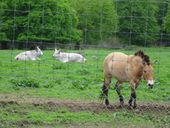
(115, 64)
(123, 67)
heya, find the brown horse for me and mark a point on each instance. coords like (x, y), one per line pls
(126, 68)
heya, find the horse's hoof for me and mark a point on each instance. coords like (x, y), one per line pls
(130, 102)
(108, 106)
(130, 107)
(106, 102)
(134, 106)
(121, 104)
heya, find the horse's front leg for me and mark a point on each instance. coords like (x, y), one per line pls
(117, 88)
(105, 90)
(132, 100)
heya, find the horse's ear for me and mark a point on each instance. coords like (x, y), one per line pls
(58, 51)
(37, 48)
(139, 53)
(146, 59)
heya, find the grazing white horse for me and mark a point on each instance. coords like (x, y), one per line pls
(68, 57)
(30, 55)
(126, 68)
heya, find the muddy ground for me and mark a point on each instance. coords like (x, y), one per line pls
(86, 105)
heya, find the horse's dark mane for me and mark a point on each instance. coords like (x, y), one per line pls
(144, 57)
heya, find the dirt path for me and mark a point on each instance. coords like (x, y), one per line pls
(83, 105)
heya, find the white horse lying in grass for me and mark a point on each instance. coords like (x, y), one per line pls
(68, 57)
(30, 55)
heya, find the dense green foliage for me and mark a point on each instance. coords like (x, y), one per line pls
(98, 19)
(138, 24)
(88, 21)
(167, 20)
(48, 20)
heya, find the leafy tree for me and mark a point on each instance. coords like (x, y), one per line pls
(3, 35)
(97, 19)
(162, 11)
(163, 7)
(137, 22)
(167, 21)
(46, 20)
(166, 24)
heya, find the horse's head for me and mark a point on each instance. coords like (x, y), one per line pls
(38, 51)
(148, 71)
(56, 53)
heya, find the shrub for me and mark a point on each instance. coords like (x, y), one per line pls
(25, 83)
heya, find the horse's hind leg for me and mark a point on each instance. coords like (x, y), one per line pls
(117, 85)
(105, 90)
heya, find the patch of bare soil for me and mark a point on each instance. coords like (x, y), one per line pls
(86, 106)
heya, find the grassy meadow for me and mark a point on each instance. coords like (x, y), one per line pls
(50, 79)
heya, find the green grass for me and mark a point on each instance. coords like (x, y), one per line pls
(49, 78)
(43, 116)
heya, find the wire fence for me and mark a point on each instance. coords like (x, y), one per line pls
(77, 86)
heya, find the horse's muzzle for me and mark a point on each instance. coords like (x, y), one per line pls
(150, 83)
(150, 86)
